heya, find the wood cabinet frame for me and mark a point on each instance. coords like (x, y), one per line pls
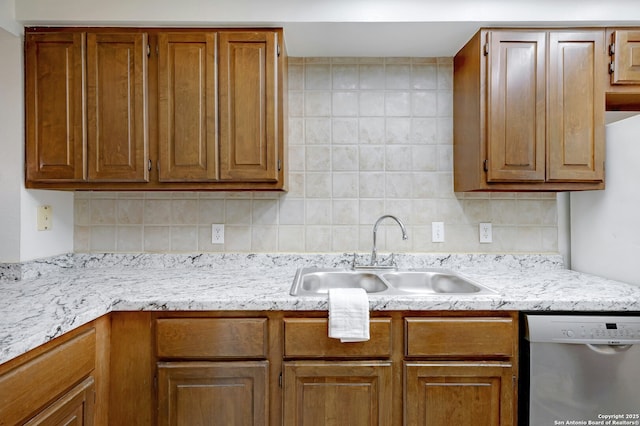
(623, 79)
(55, 120)
(62, 380)
(133, 363)
(516, 126)
(239, 144)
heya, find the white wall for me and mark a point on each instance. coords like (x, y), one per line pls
(19, 238)
(340, 27)
(10, 146)
(605, 225)
(36, 244)
(7, 17)
(564, 226)
(252, 11)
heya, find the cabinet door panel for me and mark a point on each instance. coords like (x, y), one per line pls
(248, 106)
(337, 393)
(55, 131)
(441, 394)
(213, 394)
(516, 106)
(35, 384)
(626, 63)
(117, 107)
(73, 409)
(576, 106)
(187, 107)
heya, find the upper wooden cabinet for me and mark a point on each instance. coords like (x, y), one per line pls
(154, 109)
(248, 121)
(55, 103)
(623, 85)
(117, 143)
(516, 114)
(86, 108)
(625, 56)
(187, 107)
(529, 111)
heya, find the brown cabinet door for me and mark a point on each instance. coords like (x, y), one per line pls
(187, 114)
(443, 394)
(248, 106)
(117, 107)
(55, 130)
(213, 393)
(576, 132)
(354, 393)
(626, 57)
(75, 408)
(516, 106)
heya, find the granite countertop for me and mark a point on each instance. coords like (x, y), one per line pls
(44, 299)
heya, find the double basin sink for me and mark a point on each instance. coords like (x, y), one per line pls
(318, 281)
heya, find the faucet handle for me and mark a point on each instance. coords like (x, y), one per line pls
(389, 261)
(392, 260)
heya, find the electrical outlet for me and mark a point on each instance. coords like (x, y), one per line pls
(217, 233)
(485, 233)
(45, 218)
(437, 232)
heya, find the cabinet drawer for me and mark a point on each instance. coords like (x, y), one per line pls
(309, 338)
(205, 338)
(30, 386)
(443, 337)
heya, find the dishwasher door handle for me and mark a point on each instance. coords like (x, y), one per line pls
(609, 349)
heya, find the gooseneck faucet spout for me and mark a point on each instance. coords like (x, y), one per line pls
(374, 251)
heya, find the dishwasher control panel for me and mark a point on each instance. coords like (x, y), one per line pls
(584, 329)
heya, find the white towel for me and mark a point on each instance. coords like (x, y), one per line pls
(349, 314)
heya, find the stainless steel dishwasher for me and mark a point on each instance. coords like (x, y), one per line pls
(582, 370)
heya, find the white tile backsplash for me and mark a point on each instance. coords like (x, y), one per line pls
(366, 137)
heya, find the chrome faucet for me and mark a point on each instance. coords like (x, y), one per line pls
(374, 251)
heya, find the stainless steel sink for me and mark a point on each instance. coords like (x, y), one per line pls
(431, 281)
(318, 281)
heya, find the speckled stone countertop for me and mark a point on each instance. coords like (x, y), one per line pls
(44, 299)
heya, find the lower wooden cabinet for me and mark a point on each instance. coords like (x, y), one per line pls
(354, 393)
(269, 368)
(458, 393)
(54, 383)
(281, 368)
(213, 393)
(75, 408)
(212, 371)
